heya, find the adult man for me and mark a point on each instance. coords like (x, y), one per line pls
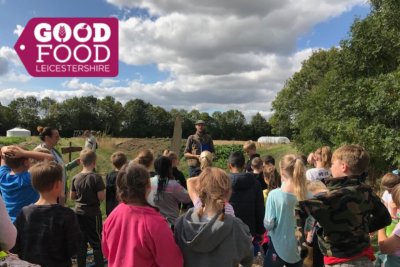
(197, 143)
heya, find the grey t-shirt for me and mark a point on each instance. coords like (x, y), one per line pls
(86, 186)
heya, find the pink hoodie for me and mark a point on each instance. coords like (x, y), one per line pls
(139, 236)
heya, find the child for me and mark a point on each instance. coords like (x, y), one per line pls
(194, 191)
(166, 192)
(87, 189)
(118, 159)
(206, 235)
(146, 158)
(257, 170)
(178, 175)
(249, 147)
(271, 179)
(388, 182)
(279, 218)
(15, 180)
(348, 212)
(48, 233)
(135, 234)
(247, 198)
(311, 159)
(205, 159)
(314, 257)
(391, 245)
(322, 162)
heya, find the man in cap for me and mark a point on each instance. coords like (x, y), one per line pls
(197, 143)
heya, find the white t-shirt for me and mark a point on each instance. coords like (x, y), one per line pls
(317, 174)
(386, 197)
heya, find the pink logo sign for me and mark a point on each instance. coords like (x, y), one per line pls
(70, 47)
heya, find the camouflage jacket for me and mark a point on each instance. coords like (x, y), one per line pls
(196, 144)
(346, 214)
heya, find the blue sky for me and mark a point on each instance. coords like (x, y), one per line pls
(219, 56)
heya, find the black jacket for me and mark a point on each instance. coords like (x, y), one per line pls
(247, 201)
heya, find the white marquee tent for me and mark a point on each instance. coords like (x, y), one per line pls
(18, 132)
(273, 140)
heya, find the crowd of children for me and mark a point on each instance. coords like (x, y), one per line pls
(323, 216)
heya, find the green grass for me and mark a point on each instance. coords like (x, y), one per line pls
(6, 141)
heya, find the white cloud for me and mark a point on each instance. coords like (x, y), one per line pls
(75, 84)
(10, 55)
(3, 66)
(250, 92)
(108, 82)
(11, 69)
(221, 54)
(18, 30)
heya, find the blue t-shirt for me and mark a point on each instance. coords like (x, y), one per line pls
(280, 222)
(17, 191)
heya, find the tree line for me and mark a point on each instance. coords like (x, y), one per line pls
(349, 94)
(136, 118)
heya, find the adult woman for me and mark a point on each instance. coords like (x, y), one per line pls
(50, 137)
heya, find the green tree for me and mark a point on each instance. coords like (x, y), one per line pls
(259, 127)
(26, 112)
(110, 115)
(351, 94)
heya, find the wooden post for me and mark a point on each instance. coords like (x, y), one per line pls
(70, 149)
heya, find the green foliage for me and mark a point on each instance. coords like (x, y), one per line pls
(222, 153)
(351, 94)
(7, 141)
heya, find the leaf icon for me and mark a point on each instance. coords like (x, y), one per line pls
(61, 33)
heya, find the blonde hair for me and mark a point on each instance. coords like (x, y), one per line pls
(249, 145)
(214, 188)
(145, 158)
(293, 168)
(206, 158)
(324, 154)
(355, 157)
(316, 187)
(390, 180)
